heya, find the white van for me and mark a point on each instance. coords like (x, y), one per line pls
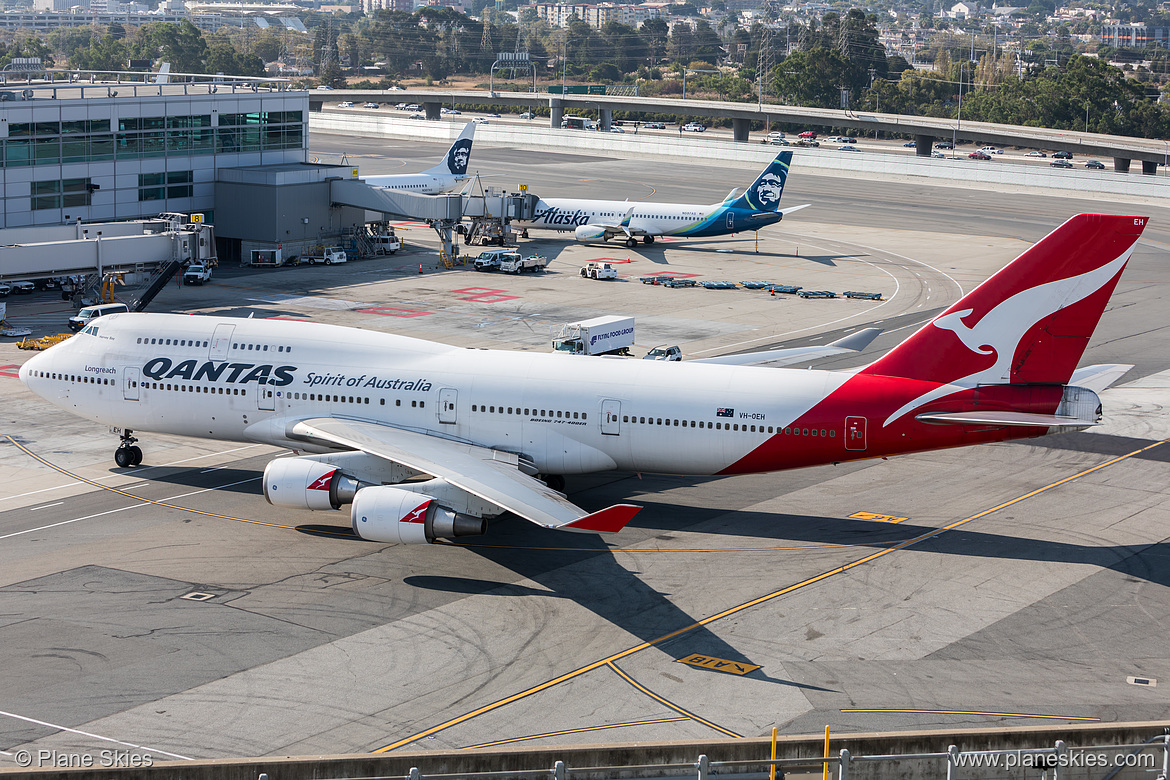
(91, 313)
(490, 260)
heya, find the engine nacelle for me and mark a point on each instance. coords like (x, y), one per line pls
(305, 483)
(390, 514)
(589, 233)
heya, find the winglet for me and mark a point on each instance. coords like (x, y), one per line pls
(607, 521)
(857, 341)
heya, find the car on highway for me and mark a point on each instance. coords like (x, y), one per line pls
(911, 144)
(400, 107)
(694, 127)
(1096, 165)
(616, 129)
(371, 104)
(778, 142)
(809, 134)
(991, 150)
(1061, 163)
(808, 142)
(833, 139)
(324, 88)
(655, 125)
(480, 120)
(945, 145)
(397, 88)
(775, 134)
(1062, 155)
(937, 154)
(528, 115)
(848, 139)
(979, 156)
(417, 115)
(1035, 153)
(345, 104)
(848, 148)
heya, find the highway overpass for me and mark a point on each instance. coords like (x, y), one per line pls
(924, 130)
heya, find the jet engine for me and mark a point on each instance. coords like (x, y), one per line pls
(390, 514)
(306, 483)
(589, 233)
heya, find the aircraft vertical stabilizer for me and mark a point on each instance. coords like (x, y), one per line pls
(766, 190)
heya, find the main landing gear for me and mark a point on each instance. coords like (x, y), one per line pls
(647, 240)
(127, 455)
(554, 481)
(631, 242)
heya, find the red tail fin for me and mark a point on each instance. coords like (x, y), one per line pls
(1030, 322)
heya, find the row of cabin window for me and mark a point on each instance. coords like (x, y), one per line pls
(730, 426)
(176, 387)
(84, 379)
(197, 343)
(537, 412)
(350, 399)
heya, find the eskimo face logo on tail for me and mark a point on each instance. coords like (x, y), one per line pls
(459, 157)
(766, 192)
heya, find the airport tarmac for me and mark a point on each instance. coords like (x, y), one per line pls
(974, 587)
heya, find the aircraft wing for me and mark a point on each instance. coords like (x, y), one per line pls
(489, 474)
(1098, 378)
(854, 342)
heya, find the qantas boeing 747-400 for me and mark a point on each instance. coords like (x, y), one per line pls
(494, 431)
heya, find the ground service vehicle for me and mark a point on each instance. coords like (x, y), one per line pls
(386, 244)
(669, 354)
(196, 273)
(329, 256)
(491, 259)
(599, 271)
(91, 313)
(515, 264)
(609, 335)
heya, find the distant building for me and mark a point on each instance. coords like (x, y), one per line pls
(1134, 36)
(598, 15)
(370, 6)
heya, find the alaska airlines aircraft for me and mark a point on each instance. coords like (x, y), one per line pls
(494, 431)
(601, 220)
(444, 177)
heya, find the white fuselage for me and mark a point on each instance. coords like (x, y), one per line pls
(250, 380)
(419, 183)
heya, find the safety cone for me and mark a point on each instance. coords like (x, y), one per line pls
(773, 293)
(420, 268)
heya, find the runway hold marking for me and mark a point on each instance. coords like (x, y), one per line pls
(877, 518)
(977, 712)
(666, 702)
(393, 311)
(717, 664)
(10, 371)
(485, 295)
(142, 500)
(582, 730)
(738, 608)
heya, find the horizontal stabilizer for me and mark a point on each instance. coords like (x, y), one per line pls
(607, 521)
(1014, 419)
(788, 211)
(1098, 378)
(854, 342)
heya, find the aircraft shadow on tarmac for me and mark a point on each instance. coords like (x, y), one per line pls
(227, 480)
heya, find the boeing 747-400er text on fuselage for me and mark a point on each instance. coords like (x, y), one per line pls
(444, 177)
(495, 431)
(601, 220)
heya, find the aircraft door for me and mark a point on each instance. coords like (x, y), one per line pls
(448, 398)
(855, 433)
(266, 397)
(611, 417)
(731, 220)
(221, 342)
(130, 381)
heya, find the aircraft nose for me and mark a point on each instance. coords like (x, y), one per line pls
(29, 366)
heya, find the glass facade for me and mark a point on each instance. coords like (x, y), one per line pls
(57, 193)
(94, 140)
(172, 184)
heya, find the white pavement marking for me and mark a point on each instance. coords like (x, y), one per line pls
(95, 736)
(137, 471)
(45, 506)
(124, 508)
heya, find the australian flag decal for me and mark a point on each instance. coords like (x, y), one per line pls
(725, 413)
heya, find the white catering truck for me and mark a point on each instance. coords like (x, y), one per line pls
(608, 335)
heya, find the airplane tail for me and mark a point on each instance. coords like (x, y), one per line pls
(1031, 321)
(766, 190)
(458, 156)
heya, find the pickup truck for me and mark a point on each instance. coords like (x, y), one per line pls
(514, 264)
(599, 271)
(330, 256)
(196, 273)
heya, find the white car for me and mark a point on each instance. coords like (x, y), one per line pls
(774, 135)
(616, 130)
(937, 154)
(1035, 153)
(400, 107)
(417, 115)
(397, 88)
(694, 127)
(991, 150)
(480, 120)
(528, 115)
(345, 104)
(324, 88)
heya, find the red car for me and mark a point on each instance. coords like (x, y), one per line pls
(808, 134)
(979, 156)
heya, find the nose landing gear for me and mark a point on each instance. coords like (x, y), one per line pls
(127, 455)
